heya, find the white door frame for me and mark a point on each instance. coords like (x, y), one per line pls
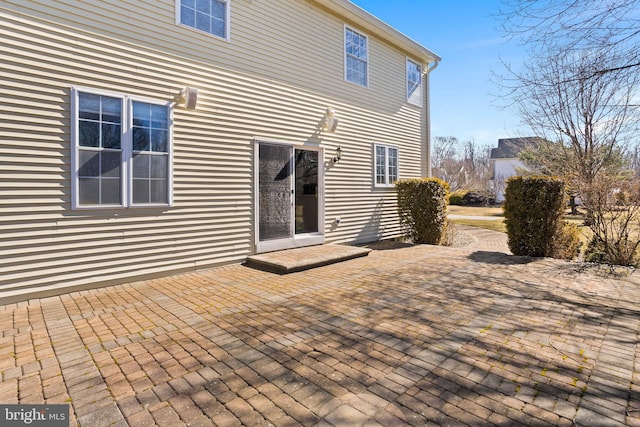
(298, 240)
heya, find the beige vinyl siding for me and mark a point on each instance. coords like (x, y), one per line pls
(282, 68)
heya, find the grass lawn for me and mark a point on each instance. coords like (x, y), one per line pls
(476, 210)
(488, 211)
(498, 225)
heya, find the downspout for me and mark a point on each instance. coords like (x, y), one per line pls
(427, 170)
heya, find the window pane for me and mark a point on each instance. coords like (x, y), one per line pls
(217, 27)
(110, 164)
(141, 166)
(380, 165)
(361, 71)
(393, 165)
(89, 106)
(111, 109)
(356, 70)
(141, 139)
(203, 6)
(89, 163)
(141, 114)
(351, 68)
(159, 167)
(110, 191)
(159, 191)
(88, 134)
(159, 116)
(187, 16)
(111, 136)
(414, 83)
(159, 139)
(89, 191)
(202, 22)
(140, 191)
(413, 86)
(356, 44)
(218, 9)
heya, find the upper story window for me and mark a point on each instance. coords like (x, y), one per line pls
(386, 165)
(210, 16)
(414, 83)
(356, 65)
(121, 151)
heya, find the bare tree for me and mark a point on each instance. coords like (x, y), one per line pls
(463, 165)
(591, 117)
(579, 88)
(576, 25)
(446, 162)
(478, 165)
(579, 85)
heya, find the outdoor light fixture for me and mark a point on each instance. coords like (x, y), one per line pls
(190, 97)
(330, 121)
(338, 155)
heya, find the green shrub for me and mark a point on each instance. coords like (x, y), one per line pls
(596, 251)
(422, 207)
(457, 197)
(475, 198)
(621, 252)
(533, 210)
(567, 243)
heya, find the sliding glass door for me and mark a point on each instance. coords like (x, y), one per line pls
(288, 196)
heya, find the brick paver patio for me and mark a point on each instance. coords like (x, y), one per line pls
(405, 336)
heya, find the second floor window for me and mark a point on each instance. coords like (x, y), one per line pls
(356, 57)
(210, 16)
(414, 83)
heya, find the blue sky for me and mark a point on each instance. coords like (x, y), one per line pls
(463, 91)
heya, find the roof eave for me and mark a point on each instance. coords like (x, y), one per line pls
(369, 22)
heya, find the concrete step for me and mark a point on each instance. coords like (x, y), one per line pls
(299, 259)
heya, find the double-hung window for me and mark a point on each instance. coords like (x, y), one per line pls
(414, 83)
(386, 165)
(356, 65)
(121, 151)
(210, 16)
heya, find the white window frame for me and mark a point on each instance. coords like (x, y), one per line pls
(415, 98)
(227, 23)
(388, 182)
(346, 56)
(126, 176)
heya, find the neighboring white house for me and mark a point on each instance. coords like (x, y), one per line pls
(143, 138)
(505, 161)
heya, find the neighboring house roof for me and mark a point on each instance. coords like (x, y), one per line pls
(376, 26)
(510, 148)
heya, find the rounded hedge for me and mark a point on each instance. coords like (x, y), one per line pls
(533, 209)
(422, 207)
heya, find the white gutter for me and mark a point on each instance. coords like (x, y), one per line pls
(356, 15)
(369, 22)
(427, 113)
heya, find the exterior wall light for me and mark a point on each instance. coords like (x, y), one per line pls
(190, 97)
(330, 121)
(338, 155)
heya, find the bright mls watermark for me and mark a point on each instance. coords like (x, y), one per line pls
(34, 415)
